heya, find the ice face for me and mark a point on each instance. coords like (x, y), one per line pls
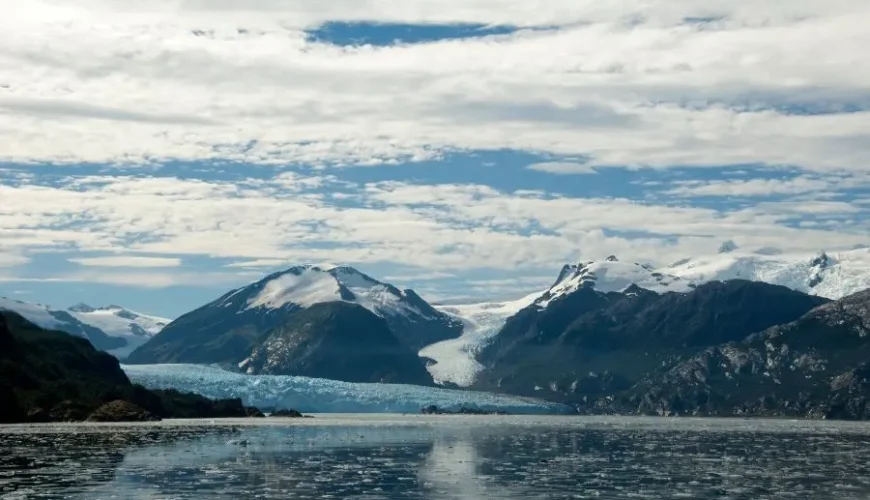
(326, 396)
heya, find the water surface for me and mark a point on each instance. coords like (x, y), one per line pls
(454, 457)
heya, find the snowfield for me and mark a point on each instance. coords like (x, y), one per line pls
(308, 285)
(833, 275)
(115, 321)
(326, 396)
(454, 361)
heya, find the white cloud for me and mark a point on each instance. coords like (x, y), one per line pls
(622, 83)
(767, 187)
(259, 263)
(127, 261)
(12, 259)
(448, 228)
(562, 168)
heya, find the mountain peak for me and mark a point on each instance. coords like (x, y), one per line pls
(82, 308)
(610, 275)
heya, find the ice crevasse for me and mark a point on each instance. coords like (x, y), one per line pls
(326, 396)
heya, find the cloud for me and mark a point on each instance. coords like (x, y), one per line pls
(442, 228)
(127, 261)
(767, 187)
(140, 279)
(632, 84)
(12, 259)
(562, 168)
(259, 263)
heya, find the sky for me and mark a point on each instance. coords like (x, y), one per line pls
(157, 154)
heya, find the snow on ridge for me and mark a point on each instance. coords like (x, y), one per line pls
(611, 275)
(827, 274)
(308, 285)
(37, 314)
(454, 360)
(311, 286)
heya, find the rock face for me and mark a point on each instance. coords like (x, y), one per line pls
(287, 414)
(337, 341)
(121, 411)
(48, 376)
(257, 323)
(816, 366)
(588, 343)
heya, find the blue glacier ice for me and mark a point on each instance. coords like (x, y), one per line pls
(326, 396)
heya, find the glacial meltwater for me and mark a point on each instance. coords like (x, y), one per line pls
(438, 456)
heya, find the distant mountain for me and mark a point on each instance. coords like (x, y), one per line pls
(236, 326)
(119, 322)
(833, 275)
(113, 329)
(577, 340)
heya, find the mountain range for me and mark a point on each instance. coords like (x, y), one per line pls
(113, 329)
(607, 336)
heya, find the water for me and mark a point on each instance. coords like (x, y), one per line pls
(451, 457)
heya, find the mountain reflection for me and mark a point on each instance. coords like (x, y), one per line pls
(451, 458)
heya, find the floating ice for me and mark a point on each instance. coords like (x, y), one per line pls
(326, 396)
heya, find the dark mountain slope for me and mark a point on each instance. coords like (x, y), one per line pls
(46, 375)
(816, 366)
(588, 343)
(339, 341)
(228, 329)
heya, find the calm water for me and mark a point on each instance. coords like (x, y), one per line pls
(394, 457)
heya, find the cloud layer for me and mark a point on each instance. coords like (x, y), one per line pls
(663, 84)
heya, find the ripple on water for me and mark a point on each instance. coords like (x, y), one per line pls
(439, 457)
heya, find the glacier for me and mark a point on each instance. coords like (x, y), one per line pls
(327, 396)
(454, 361)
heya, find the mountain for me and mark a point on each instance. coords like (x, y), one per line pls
(64, 321)
(337, 340)
(577, 340)
(816, 366)
(113, 329)
(116, 321)
(234, 327)
(833, 275)
(54, 376)
(453, 361)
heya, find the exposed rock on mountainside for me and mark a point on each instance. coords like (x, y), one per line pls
(340, 341)
(587, 343)
(254, 322)
(121, 411)
(817, 366)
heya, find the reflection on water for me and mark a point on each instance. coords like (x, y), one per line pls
(440, 457)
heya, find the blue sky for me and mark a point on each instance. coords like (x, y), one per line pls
(465, 149)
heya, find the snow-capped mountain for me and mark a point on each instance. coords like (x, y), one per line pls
(116, 321)
(611, 275)
(113, 329)
(231, 328)
(833, 275)
(454, 361)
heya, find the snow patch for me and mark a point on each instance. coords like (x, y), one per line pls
(311, 286)
(831, 275)
(611, 275)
